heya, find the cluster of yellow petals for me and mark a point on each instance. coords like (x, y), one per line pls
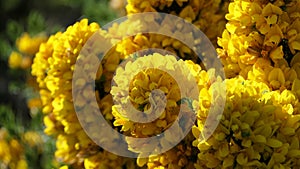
(182, 155)
(261, 42)
(11, 152)
(206, 15)
(27, 47)
(140, 95)
(53, 67)
(15, 60)
(145, 81)
(260, 124)
(259, 128)
(140, 41)
(148, 77)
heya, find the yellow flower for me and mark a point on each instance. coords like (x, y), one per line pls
(140, 42)
(29, 45)
(107, 160)
(64, 167)
(148, 73)
(53, 66)
(11, 152)
(140, 77)
(15, 60)
(261, 30)
(22, 164)
(33, 139)
(140, 88)
(40, 62)
(34, 102)
(259, 50)
(181, 156)
(257, 128)
(206, 15)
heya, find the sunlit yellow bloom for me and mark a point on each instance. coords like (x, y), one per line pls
(40, 62)
(259, 30)
(146, 79)
(259, 48)
(257, 129)
(140, 96)
(53, 66)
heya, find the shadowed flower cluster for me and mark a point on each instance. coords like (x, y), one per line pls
(11, 152)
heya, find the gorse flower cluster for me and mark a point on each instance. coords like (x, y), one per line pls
(206, 15)
(53, 66)
(261, 42)
(259, 48)
(28, 46)
(149, 76)
(259, 128)
(11, 152)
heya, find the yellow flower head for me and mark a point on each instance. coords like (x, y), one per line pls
(257, 129)
(33, 139)
(133, 94)
(142, 77)
(183, 155)
(53, 66)
(149, 41)
(206, 15)
(108, 160)
(11, 152)
(15, 60)
(262, 30)
(40, 62)
(139, 78)
(29, 45)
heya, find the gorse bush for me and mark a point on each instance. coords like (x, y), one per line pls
(256, 41)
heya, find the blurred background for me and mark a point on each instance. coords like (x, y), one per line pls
(30, 22)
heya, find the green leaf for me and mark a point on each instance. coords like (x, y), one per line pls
(35, 23)
(13, 30)
(5, 49)
(98, 11)
(7, 120)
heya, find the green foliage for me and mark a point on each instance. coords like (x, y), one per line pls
(98, 11)
(14, 29)
(9, 121)
(9, 5)
(5, 49)
(35, 23)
